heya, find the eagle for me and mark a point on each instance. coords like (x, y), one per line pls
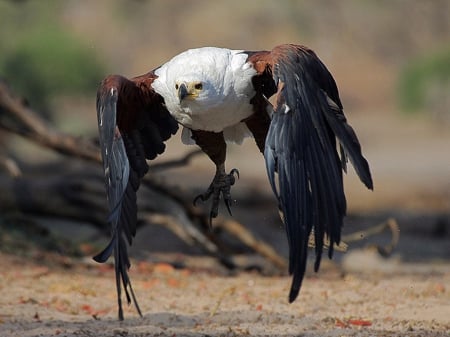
(218, 95)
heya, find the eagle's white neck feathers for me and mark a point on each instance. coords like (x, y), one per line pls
(224, 100)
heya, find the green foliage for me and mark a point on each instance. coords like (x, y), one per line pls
(50, 62)
(42, 59)
(421, 78)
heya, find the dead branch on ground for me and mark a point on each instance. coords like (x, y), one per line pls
(72, 188)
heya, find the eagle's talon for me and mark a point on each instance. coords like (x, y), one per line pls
(203, 197)
(228, 204)
(221, 185)
(212, 215)
(234, 172)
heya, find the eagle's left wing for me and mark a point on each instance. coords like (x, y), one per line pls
(300, 150)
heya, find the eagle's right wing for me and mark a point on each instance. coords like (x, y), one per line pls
(133, 125)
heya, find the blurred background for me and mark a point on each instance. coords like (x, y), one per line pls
(390, 59)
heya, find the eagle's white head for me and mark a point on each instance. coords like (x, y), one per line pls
(207, 88)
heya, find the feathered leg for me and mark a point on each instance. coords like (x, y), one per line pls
(213, 144)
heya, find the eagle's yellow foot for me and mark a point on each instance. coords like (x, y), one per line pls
(221, 184)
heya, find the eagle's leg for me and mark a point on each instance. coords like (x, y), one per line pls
(221, 184)
(213, 144)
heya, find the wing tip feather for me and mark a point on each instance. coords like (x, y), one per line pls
(293, 292)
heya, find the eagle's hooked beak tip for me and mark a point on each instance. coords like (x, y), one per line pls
(182, 91)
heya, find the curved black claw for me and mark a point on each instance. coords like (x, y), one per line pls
(233, 172)
(221, 185)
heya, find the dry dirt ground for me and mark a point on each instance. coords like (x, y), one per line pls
(79, 299)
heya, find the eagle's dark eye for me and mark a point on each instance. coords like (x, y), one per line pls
(176, 86)
(198, 86)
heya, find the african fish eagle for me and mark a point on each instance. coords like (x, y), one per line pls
(219, 95)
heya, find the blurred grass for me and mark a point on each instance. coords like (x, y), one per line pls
(423, 78)
(40, 58)
(364, 43)
(74, 44)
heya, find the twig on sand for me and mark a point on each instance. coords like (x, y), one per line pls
(386, 250)
(227, 292)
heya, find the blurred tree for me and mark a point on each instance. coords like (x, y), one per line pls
(42, 59)
(50, 62)
(424, 85)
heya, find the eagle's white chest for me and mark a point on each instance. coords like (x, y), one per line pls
(227, 90)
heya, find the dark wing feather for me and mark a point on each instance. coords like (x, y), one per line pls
(303, 165)
(133, 125)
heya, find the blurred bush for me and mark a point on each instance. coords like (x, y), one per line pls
(42, 59)
(424, 85)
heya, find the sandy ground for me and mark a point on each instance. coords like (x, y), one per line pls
(79, 300)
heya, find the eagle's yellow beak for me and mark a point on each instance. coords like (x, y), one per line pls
(189, 90)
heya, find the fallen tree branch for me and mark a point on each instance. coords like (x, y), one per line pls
(191, 236)
(259, 246)
(386, 250)
(20, 119)
(69, 193)
(10, 166)
(183, 161)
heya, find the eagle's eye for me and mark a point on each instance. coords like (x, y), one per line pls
(198, 86)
